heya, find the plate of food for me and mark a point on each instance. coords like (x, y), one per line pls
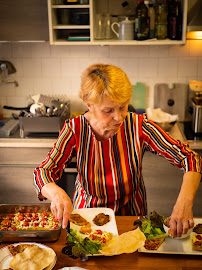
(91, 229)
(159, 241)
(93, 232)
(26, 255)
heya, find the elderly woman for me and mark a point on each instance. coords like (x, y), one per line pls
(109, 143)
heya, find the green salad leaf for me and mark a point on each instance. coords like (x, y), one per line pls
(152, 226)
(90, 245)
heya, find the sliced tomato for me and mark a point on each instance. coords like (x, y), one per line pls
(197, 243)
(28, 214)
(199, 237)
(25, 224)
(92, 236)
(7, 223)
(103, 240)
(13, 229)
(21, 218)
(43, 223)
(11, 216)
(35, 224)
(27, 219)
(98, 232)
(45, 214)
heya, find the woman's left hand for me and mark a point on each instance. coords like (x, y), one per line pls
(182, 215)
(182, 218)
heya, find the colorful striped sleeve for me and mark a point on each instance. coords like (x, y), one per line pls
(177, 153)
(57, 159)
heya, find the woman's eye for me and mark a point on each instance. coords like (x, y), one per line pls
(109, 111)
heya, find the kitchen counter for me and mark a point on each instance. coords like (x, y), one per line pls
(48, 141)
(137, 260)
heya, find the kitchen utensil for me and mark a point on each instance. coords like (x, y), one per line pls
(125, 29)
(28, 235)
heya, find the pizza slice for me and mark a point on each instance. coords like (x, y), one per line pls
(153, 244)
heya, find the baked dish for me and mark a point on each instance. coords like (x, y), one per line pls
(28, 221)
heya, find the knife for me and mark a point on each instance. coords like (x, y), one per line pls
(74, 238)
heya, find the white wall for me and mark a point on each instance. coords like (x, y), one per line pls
(56, 70)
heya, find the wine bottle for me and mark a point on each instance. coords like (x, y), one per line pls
(141, 21)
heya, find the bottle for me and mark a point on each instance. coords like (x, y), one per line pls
(71, 2)
(161, 20)
(179, 21)
(151, 14)
(172, 19)
(141, 22)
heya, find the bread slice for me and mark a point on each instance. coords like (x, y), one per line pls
(197, 241)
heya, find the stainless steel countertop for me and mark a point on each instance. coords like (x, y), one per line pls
(48, 142)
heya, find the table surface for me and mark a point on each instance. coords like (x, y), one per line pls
(137, 260)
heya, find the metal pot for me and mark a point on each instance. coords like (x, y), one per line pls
(197, 115)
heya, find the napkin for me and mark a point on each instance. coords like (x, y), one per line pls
(158, 116)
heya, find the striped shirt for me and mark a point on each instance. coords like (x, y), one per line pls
(110, 171)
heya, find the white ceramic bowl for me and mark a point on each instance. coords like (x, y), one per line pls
(167, 230)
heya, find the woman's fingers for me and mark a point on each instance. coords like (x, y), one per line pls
(61, 209)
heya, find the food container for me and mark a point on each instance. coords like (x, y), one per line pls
(28, 235)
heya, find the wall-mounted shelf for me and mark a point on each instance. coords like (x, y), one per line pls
(59, 31)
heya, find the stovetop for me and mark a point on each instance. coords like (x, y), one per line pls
(189, 134)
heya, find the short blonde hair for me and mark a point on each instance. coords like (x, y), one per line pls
(101, 80)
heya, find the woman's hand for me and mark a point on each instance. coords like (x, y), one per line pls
(61, 205)
(181, 218)
(182, 215)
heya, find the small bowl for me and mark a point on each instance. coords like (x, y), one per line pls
(168, 230)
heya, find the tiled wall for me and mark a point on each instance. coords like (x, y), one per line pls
(56, 70)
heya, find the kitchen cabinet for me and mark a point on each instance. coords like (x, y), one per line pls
(16, 173)
(24, 20)
(18, 159)
(61, 25)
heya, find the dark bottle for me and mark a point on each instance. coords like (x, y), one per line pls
(172, 19)
(161, 20)
(179, 20)
(141, 22)
(151, 14)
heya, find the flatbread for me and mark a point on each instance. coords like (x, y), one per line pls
(14, 250)
(153, 244)
(33, 258)
(127, 242)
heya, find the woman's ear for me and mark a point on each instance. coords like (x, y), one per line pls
(89, 106)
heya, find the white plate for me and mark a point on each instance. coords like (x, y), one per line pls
(6, 257)
(176, 246)
(90, 213)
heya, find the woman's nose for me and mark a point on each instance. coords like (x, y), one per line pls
(117, 116)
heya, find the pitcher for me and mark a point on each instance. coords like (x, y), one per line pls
(125, 29)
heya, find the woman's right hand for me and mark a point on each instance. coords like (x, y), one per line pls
(61, 205)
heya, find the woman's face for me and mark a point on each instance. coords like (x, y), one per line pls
(109, 114)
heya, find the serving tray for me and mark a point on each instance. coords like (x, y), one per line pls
(176, 246)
